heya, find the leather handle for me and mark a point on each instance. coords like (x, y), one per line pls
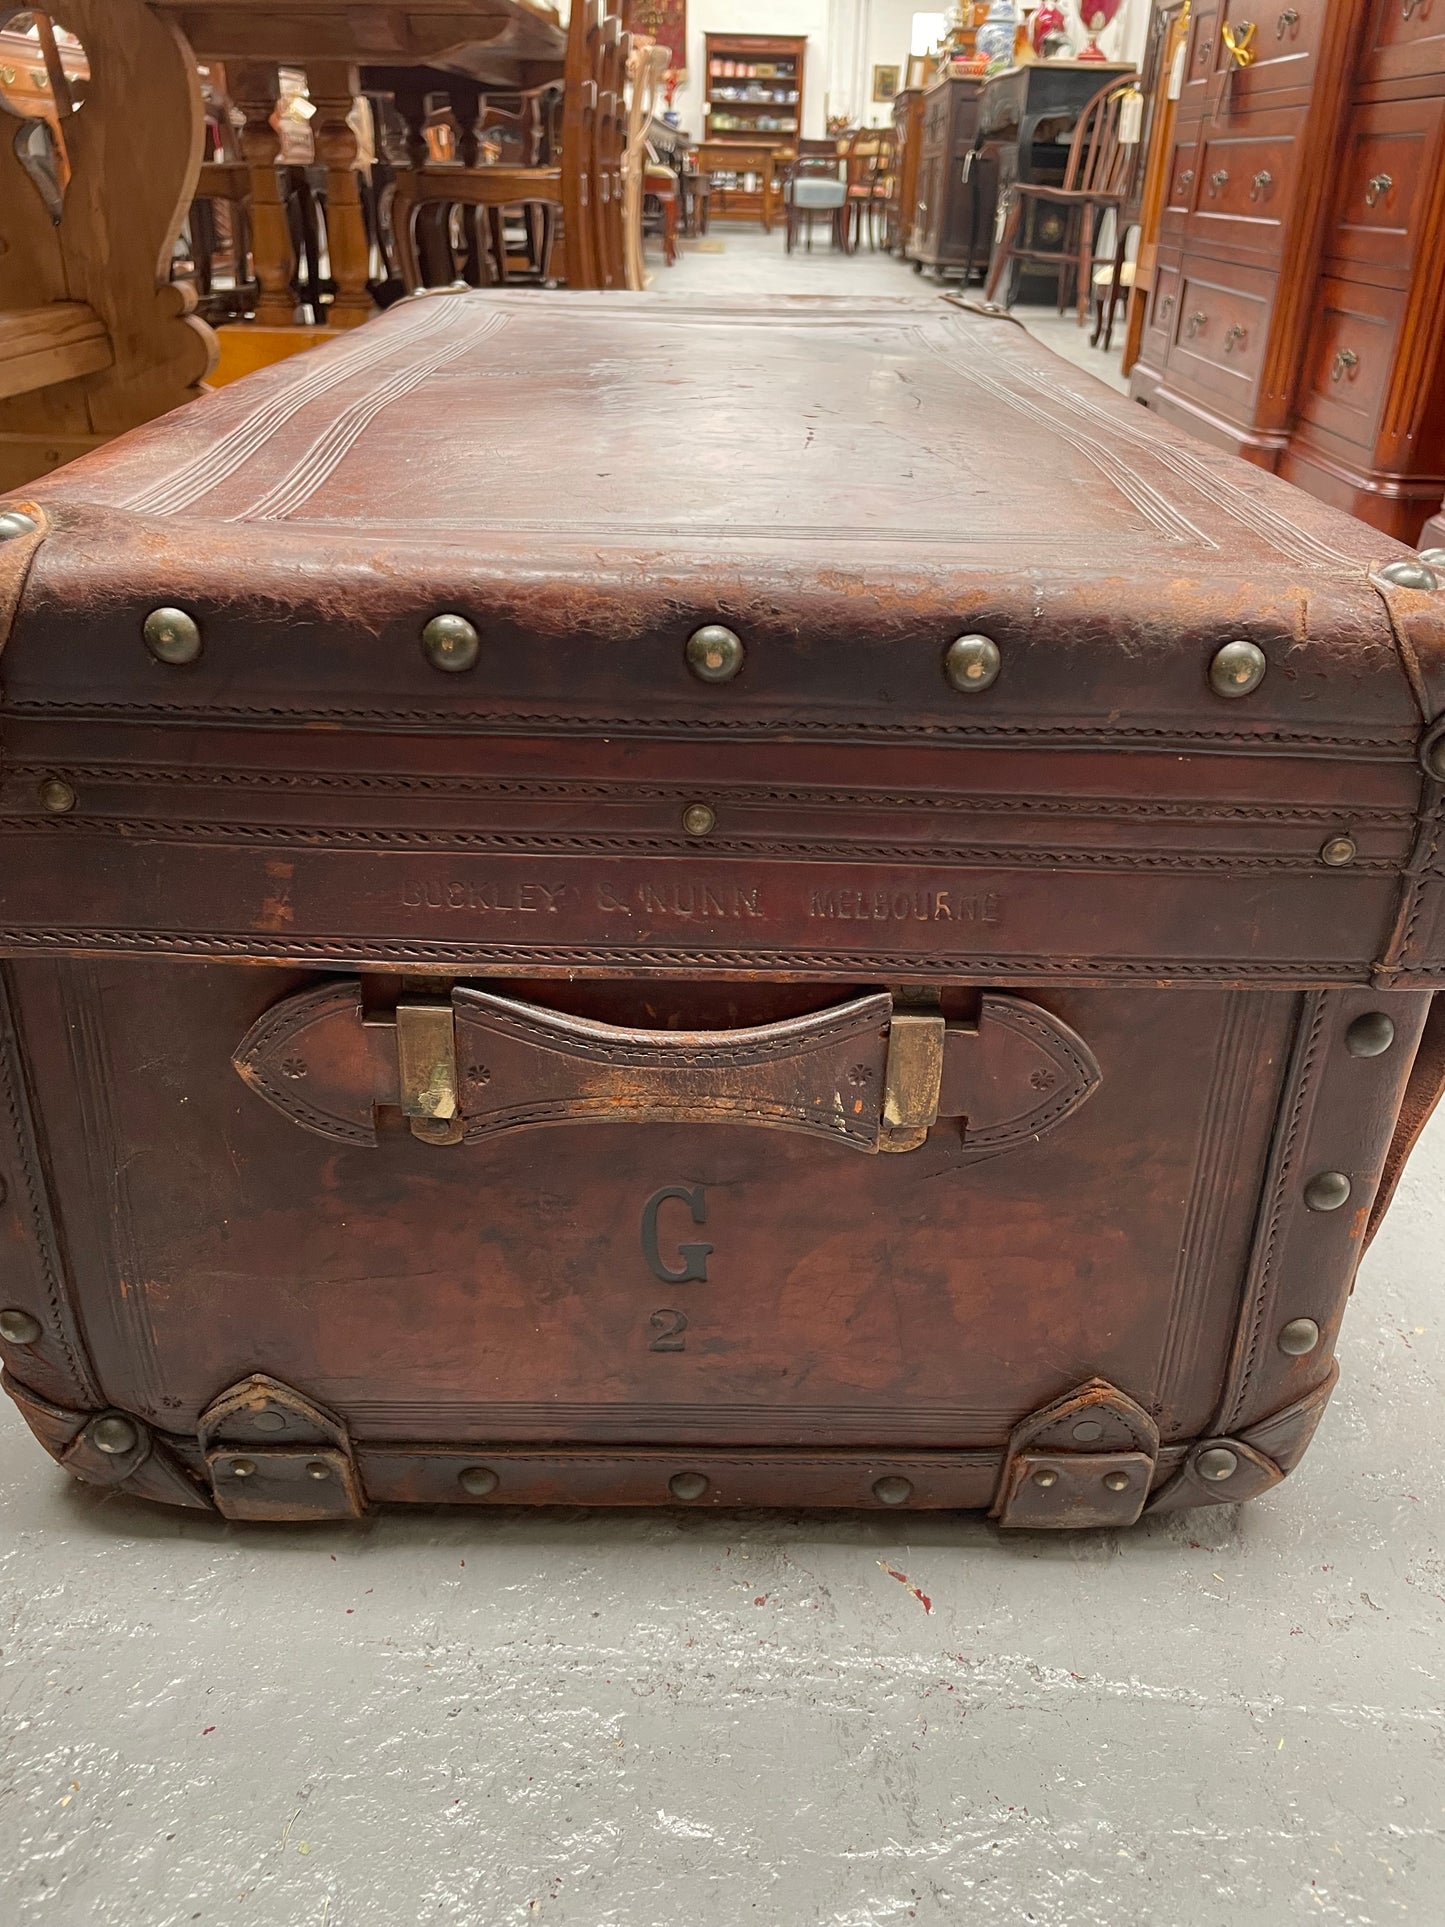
(864, 1074)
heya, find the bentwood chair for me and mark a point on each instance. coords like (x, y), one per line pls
(1095, 182)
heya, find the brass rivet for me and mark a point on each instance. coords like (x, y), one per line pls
(893, 1491)
(1046, 1478)
(1087, 1430)
(114, 1436)
(972, 664)
(1299, 1336)
(266, 1421)
(1370, 1035)
(172, 637)
(1117, 1481)
(1339, 851)
(1237, 669)
(19, 1328)
(1327, 1191)
(714, 654)
(1217, 1463)
(698, 819)
(14, 522)
(451, 643)
(687, 1485)
(318, 1468)
(1410, 574)
(479, 1480)
(242, 1468)
(56, 795)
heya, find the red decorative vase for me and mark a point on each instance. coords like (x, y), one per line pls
(1049, 19)
(1095, 16)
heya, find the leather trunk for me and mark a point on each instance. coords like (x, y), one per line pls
(880, 958)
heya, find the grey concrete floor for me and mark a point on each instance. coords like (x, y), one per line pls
(1222, 1719)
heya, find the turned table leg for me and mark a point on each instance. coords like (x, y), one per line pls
(333, 86)
(255, 90)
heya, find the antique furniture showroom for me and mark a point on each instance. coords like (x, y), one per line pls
(722, 759)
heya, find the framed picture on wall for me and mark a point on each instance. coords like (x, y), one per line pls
(885, 83)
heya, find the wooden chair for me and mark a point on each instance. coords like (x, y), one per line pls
(565, 187)
(1095, 181)
(94, 338)
(870, 183)
(813, 186)
(641, 179)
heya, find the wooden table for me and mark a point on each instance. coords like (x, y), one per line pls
(506, 43)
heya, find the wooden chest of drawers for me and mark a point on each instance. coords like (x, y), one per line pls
(1296, 311)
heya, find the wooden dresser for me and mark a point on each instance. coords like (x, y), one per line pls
(1297, 307)
(952, 227)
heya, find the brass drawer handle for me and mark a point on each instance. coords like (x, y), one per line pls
(1344, 363)
(1238, 40)
(1235, 337)
(1166, 306)
(1288, 19)
(1218, 179)
(1376, 188)
(1195, 322)
(1408, 8)
(1260, 185)
(1186, 180)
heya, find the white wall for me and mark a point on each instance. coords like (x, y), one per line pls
(847, 39)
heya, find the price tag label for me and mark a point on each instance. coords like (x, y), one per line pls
(1131, 119)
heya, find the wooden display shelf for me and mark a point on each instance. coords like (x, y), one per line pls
(753, 121)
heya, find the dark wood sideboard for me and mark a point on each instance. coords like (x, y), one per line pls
(1297, 309)
(908, 145)
(952, 224)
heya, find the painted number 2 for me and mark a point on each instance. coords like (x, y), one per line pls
(668, 1328)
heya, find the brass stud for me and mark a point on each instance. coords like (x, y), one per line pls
(714, 654)
(172, 637)
(318, 1469)
(15, 522)
(1339, 852)
(479, 1480)
(893, 1491)
(1370, 1035)
(1237, 669)
(972, 664)
(242, 1468)
(269, 1421)
(56, 795)
(1411, 574)
(451, 643)
(1087, 1430)
(1327, 1191)
(19, 1328)
(1045, 1478)
(1117, 1481)
(1217, 1464)
(698, 819)
(114, 1436)
(1298, 1337)
(687, 1485)
(1433, 559)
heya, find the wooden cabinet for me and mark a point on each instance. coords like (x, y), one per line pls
(908, 147)
(1297, 301)
(754, 104)
(952, 220)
